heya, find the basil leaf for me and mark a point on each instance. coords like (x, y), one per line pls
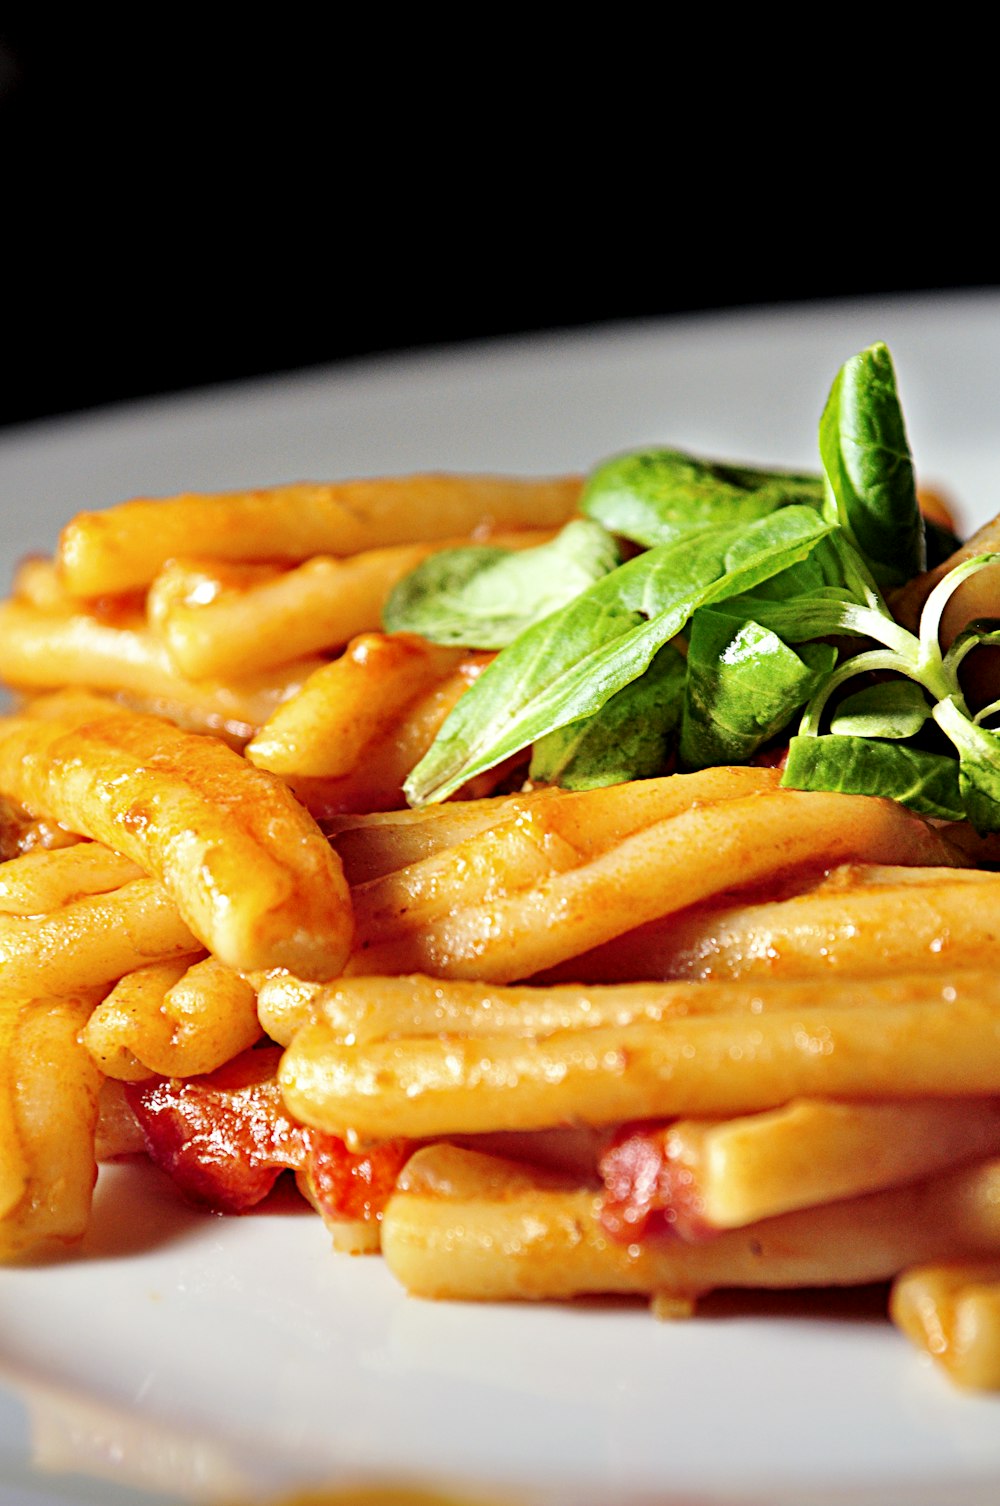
(482, 597)
(630, 737)
(871, 490)
(925, 782)
(655, 496)
(895, 709)
(566, 666)
(743, 686)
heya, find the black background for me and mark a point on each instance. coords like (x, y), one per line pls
(182, 209)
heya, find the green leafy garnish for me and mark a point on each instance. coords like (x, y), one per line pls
(655, 496)
(979, 762)
(926, 782)
(744, 684)
(897, 709)
(566, 666)
(485, 596)
(871, 490)
(631, 737)
(755, 612)
(918, 658)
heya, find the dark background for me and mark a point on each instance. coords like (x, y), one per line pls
(180, 209)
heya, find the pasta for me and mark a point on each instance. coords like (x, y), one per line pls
(108, 553)
(53, 643)
(511, 931)
(744, 1053)
(247, 869)
(526, 1234)
(952, 1310)
(214, 619)
(48, 1115)
(173, 1019)
(348, 738)
(647, 1036)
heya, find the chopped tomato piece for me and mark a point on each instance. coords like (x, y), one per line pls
(647, 1193)
(352, 1184)
(225, 1138)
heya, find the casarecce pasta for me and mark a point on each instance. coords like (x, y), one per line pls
(655, 1036)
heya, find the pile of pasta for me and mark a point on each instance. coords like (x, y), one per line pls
(693, 1032)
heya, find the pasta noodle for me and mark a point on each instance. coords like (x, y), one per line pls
(48, 1114)
(899, 916)
(530, 1236)
(173, 1019)
(124, 548)
(512, 932)
(952, 1310)
(39, 882)
(731, 1172)
(746, 1052)
(215, 619)
(246, 867)
(92, 940)
(348, 738)
(651, 1036)
(48, 648)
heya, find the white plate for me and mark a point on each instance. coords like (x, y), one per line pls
(183, 1357)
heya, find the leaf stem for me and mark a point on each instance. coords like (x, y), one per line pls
(876, 659)
(943, 668)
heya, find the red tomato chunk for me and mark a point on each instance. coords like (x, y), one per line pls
(226, 1138)
(646, 1193)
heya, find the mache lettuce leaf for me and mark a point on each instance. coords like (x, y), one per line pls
(744, 685)
(871, 490)
(655, 496)
(483, 596)
(632, 736)
(925, 782)
(566, 666)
